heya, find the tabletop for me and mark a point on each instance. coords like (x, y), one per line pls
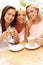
(23, 57)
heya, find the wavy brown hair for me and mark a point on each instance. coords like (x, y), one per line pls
(4, 11)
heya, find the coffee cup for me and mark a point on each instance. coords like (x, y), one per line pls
(31, 40)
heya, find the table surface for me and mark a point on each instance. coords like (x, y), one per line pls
(23, 57)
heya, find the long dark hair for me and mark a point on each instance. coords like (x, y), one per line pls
(12, 24)
(16, 17)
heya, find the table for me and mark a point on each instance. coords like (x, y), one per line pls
(23, 57)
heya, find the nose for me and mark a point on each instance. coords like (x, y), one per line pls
(10, 17)
(21, 16)
(30, 14)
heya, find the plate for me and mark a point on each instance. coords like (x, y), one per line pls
(17, 47)
(28, 46)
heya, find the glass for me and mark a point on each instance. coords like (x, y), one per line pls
(31, 40)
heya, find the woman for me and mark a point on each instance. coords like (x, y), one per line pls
(7, 29)
(35, 26)
(20, 23)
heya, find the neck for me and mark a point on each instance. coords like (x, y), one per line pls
(19, 27)
(6, 25)
(37, 20)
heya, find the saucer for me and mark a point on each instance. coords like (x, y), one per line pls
(17, 47)
(28, 46)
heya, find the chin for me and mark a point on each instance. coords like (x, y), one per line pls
(21, 22)
(32, 19)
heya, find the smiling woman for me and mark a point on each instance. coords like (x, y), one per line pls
(20, 23)
(35, 26)
(8, 21)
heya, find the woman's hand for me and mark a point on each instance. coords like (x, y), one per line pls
(4, 35)
(14, 34)
(41, 35)
(39, 40)
(13, 31)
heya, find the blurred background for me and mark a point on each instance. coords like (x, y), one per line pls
(21, 4)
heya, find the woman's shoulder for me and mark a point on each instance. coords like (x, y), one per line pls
(28, 23)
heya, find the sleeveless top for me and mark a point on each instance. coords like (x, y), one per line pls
(36, 29)
(4, 44)
(21, 35)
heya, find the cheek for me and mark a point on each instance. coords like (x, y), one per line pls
(18, 19)
(5, 18)
(13, 18)
(35, 15)
(24, 19)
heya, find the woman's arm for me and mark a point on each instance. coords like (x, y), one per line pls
(3, 36)
(26, 31)
(40, 39)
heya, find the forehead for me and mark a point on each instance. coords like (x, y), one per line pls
(21, 12)
(30, 8)
(11, 11)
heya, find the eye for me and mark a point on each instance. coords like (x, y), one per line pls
(13, 15)
(31, 11)
(27, 13)
(23, 14)
(9, 13)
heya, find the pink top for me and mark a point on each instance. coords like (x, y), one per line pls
(36, 29)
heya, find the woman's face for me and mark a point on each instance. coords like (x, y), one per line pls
(21, 16)
(32, 13)
(9, 16)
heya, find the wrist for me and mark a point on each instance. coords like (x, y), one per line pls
(1, 38)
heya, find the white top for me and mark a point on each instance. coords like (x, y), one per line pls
(4, 43)
(21, 35)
